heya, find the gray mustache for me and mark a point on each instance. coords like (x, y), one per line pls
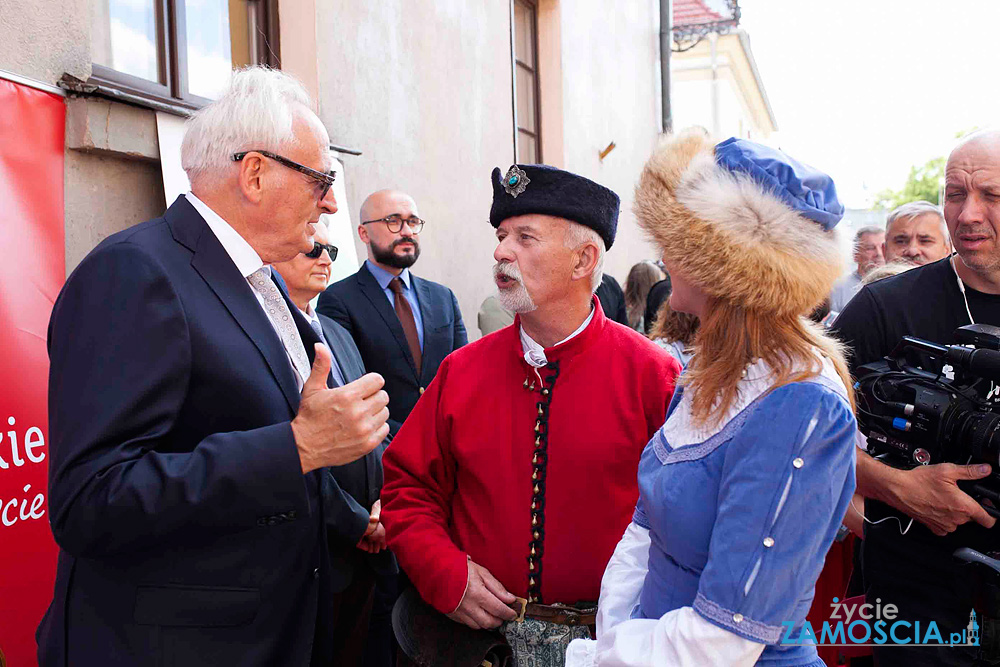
(507, 269)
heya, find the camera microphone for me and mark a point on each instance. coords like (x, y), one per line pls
(982, 362)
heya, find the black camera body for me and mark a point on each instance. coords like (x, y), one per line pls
(915, 417)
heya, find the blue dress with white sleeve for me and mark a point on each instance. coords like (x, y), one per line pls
(730, 532)
(740, 522)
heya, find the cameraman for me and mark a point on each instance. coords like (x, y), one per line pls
(916, 571)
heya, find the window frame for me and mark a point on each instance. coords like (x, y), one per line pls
(516, 62)
(171, 52)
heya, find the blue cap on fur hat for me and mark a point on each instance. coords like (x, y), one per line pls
(538, 188)
(810, 192)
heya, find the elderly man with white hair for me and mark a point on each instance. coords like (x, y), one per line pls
(192, 425)
(515, 474)
(916, 232)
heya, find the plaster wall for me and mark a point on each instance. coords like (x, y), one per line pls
(610, 91)
(42, 39)
(423, 89)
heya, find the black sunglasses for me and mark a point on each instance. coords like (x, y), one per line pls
(318, 249)
(324, 181)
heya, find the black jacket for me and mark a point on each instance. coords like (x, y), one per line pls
(359, 305)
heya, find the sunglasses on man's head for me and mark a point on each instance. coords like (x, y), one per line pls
(318, 249)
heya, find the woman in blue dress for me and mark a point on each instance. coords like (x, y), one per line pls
(743, 489)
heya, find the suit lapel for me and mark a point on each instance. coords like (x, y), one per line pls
(370, 288)
(217, 269)
(431, 316)
(348, 371)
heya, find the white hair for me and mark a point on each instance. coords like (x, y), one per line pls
(915, 209)
(256, 112)
(577, 234)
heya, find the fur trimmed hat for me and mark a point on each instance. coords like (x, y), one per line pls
(744, 222)
(538, 188)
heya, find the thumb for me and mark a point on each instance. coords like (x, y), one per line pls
(971, 471)
(320, 371)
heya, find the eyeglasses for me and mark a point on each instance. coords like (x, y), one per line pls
(323, 180)
(395, 223)
(318, 249)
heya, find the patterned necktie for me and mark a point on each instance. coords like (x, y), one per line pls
(405, 315)
(281, 317)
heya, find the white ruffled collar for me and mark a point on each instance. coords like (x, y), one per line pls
(680, 429)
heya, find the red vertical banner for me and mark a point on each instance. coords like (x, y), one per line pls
(32, 270)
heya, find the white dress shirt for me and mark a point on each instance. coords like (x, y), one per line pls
(245, 258)
(534, 353)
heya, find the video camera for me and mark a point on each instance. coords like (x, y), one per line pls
(915, 417)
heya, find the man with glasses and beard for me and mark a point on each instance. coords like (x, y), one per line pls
(404, 327)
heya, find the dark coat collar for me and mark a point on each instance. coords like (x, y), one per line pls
(218, 270)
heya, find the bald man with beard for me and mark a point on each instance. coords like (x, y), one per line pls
(916, 571)
(404, 327)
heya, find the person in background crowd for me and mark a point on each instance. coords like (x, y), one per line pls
(916, 571)
(493, 316)
(742, 491)
(822, 314)
(612, 299)
(916, 232)
(490, 484)
(888, 271)
(658, 294)
(404, 327)
(641, 279)
(869, 244)
(190, 418)
(354, 520)
(674, 332)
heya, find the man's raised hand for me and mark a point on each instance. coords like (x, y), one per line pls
(338, 426)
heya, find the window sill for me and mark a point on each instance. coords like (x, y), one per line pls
(116, 92)
(127, 131)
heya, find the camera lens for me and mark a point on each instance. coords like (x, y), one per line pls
(979, 433)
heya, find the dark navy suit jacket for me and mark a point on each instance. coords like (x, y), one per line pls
(360, 482)
(360, 306)
(188, 534)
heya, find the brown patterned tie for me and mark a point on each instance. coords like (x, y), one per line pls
(405, 315)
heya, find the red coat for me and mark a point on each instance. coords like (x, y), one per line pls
(459, 474)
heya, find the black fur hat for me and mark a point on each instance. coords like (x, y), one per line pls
(538, 188)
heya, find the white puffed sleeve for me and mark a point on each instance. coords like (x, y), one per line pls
(623, 577)
(681, 638)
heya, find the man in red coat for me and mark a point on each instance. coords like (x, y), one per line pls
(515, 474)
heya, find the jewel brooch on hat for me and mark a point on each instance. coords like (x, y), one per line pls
(515, 181)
